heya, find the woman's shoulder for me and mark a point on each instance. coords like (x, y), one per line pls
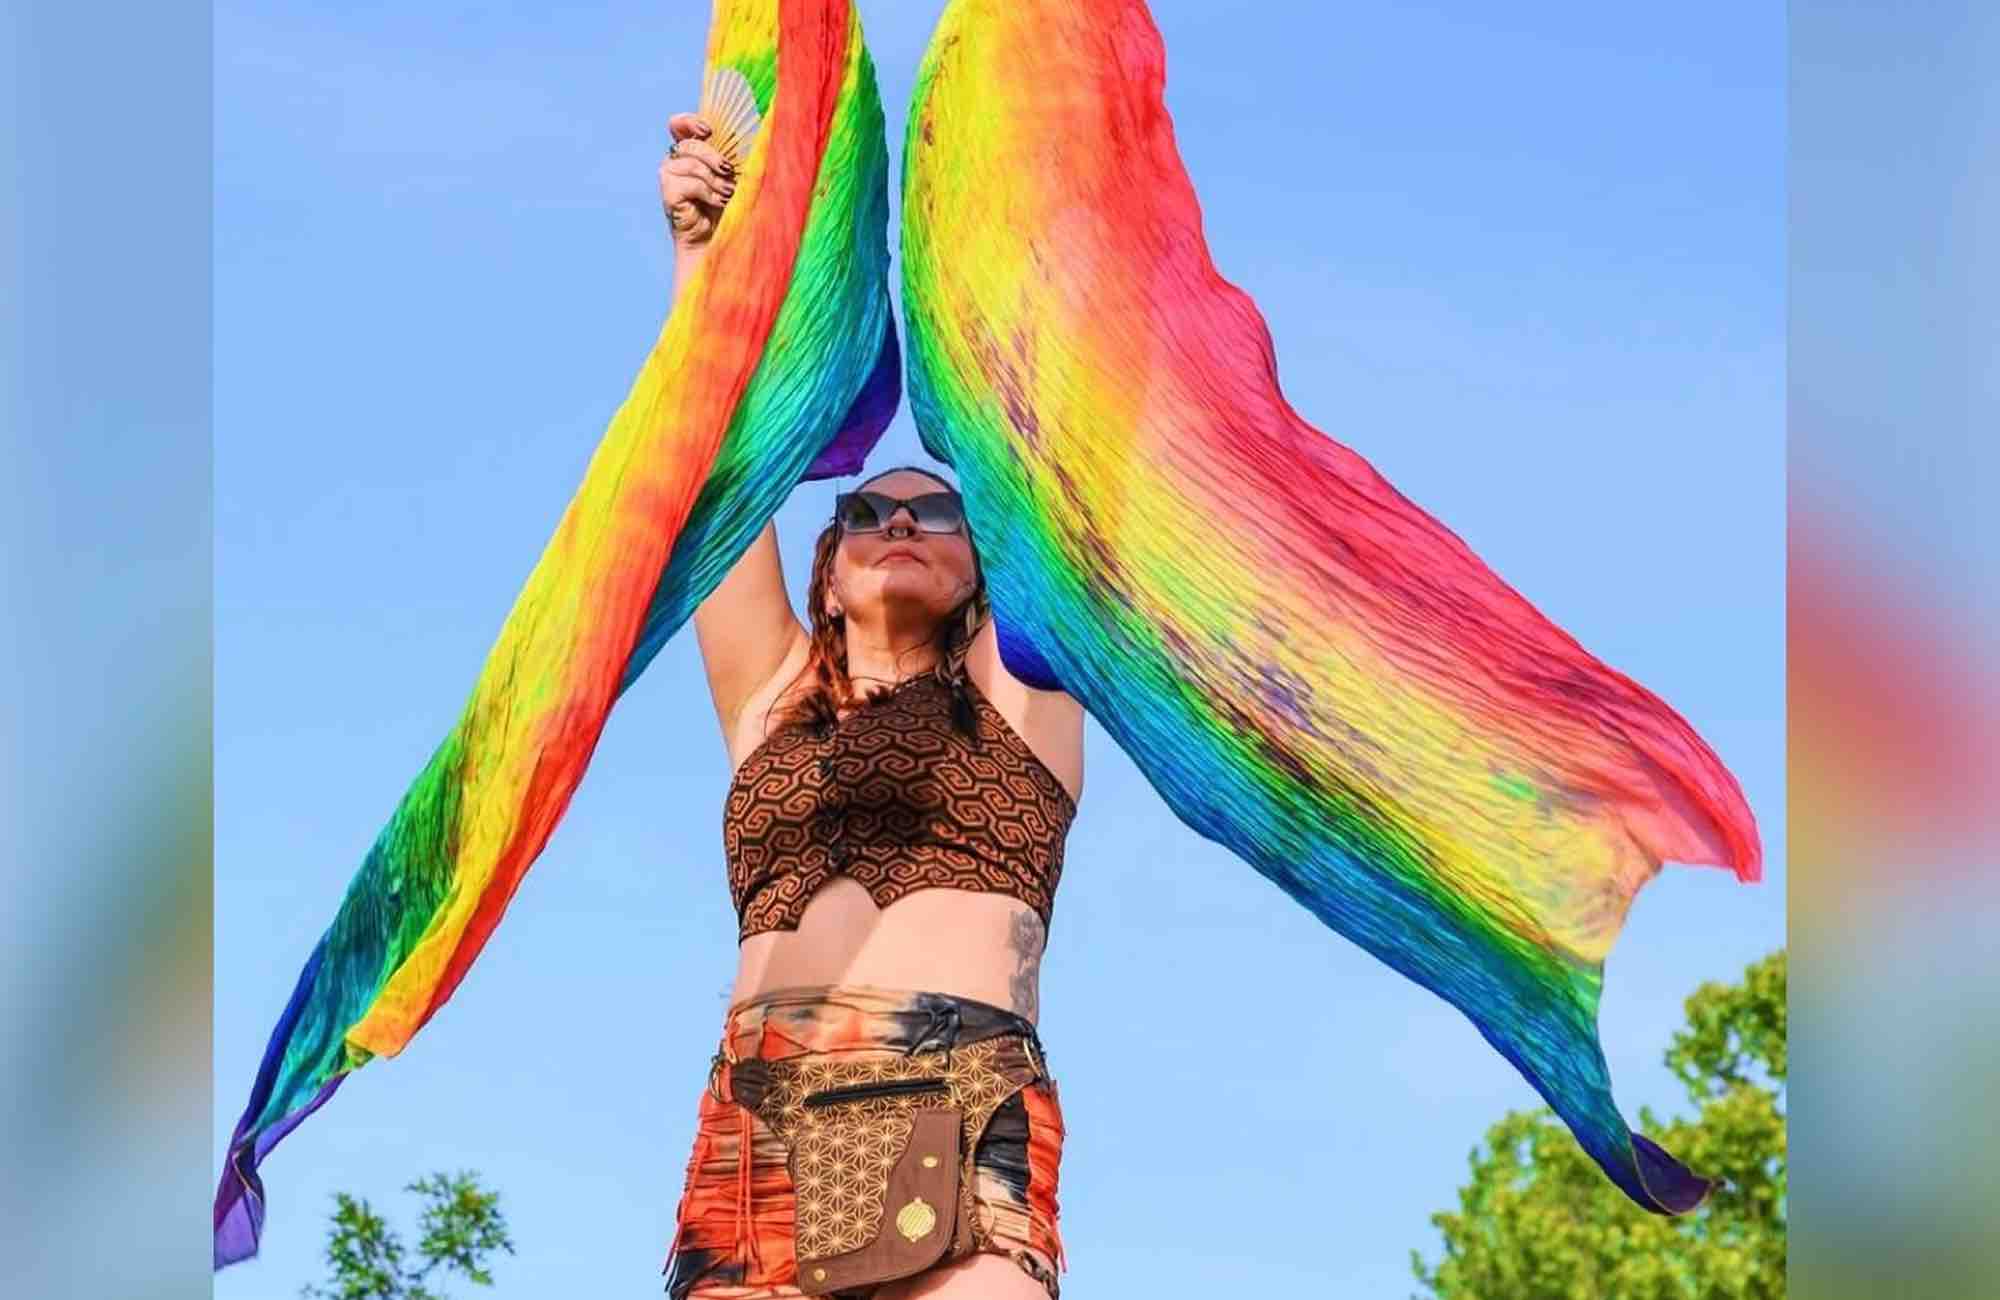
(1051, 722)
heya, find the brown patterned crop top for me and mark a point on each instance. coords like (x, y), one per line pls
(897, 798)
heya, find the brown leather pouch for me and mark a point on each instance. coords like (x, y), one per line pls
(880, 1153)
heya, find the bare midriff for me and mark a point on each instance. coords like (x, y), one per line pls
(977, 942)
(986, 947)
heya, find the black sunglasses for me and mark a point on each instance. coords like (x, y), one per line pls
(870, 512)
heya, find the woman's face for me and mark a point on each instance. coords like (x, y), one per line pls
(901, 571)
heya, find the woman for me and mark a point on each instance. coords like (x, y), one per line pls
(894, 834)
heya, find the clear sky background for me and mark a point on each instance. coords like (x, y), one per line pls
(1527, 260)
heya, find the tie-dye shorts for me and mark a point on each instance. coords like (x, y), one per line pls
(733, 1238)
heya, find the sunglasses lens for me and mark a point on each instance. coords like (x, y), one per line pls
(939, 512)
(857, 514)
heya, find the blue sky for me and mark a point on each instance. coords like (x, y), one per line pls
(1528, 263)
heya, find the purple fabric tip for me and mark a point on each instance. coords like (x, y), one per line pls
(239, 1200)
(1674, 1187)
(239, 1222)
(873, 408)
(239, 1197)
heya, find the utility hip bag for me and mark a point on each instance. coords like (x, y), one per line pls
(880, 1148)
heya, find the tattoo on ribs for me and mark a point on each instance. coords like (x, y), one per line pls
(1026, 940)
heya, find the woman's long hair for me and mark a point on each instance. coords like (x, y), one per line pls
(823, 690)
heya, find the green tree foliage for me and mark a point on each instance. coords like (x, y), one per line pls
(1539, 1221)
(462, 1226)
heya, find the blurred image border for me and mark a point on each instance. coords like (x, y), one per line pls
(106, 824)
(1891, 620)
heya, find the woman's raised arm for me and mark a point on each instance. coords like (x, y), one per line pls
(747, 631)
(746, 627)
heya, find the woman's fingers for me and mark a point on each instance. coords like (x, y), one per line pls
(695, 180)
(709, 154)
(702, 170)
(686, 126)
(696, 159)
(691, 178)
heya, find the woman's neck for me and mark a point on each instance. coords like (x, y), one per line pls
(880, 655)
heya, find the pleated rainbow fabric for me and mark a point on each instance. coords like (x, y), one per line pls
(778, 363)
(1311, 670)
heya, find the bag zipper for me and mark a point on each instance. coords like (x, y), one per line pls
(888, 1088)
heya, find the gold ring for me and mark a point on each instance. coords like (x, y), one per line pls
(1035, 1062)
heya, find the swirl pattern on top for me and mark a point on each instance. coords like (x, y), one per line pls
(899, 799)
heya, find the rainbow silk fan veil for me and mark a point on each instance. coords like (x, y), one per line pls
(777, 363)
(1332, 686)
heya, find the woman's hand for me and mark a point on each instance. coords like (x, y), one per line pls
(695, 182)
